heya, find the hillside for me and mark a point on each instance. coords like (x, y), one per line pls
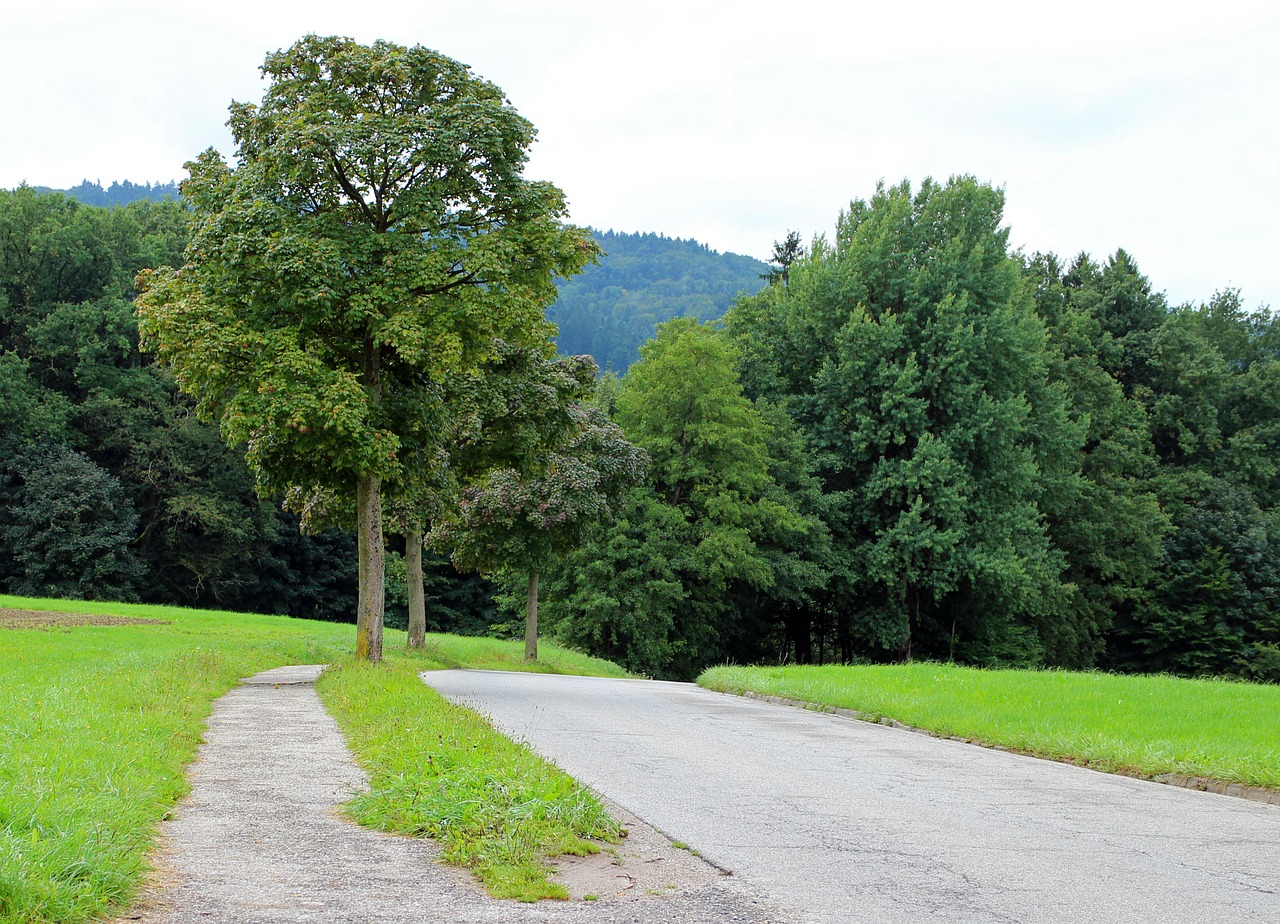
(118, 193)
(642, 280)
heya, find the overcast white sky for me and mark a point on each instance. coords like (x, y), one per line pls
(1152, 126)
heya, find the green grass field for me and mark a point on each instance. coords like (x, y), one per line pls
(1145, 726)
(97, 723)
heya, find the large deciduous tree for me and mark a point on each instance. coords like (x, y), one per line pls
(374, 237)
(909, 351)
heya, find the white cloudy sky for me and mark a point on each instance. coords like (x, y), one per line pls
(1152, 126)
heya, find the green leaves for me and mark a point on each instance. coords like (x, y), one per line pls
(560, 467)
(373, 241)
(910, 355)
(377, 201)
(70, 526)
(664, 588)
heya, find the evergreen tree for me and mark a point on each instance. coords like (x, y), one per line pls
(69, 525)
(1207, 383)
(1103, 512)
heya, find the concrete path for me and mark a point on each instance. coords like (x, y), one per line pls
(257, 841)
(843, 821)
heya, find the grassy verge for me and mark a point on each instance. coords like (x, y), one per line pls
(96, 726)
(98, 722)
(1145, 726)
(441, 771)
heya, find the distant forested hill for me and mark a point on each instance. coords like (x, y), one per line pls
(117, 193)
(643, 279)
(608, 310)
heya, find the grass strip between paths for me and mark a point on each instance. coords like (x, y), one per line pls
(1139, 725)
(441, 771)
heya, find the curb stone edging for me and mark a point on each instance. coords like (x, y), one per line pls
(1203, 784)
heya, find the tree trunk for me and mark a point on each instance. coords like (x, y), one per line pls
(531, 619)
(799, 629)
(417, 593)
(909, 592)
(371, 603)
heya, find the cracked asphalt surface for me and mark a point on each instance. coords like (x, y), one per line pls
(258, 841)
(843, 821)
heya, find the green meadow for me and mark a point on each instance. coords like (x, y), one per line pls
(97, 723)
(1140, 725)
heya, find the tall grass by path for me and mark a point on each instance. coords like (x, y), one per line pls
(96, 726)
(441, 771)
(491, 654)
(1143, 725)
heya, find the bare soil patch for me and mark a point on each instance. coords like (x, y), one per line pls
(645, 863)
(37, 619)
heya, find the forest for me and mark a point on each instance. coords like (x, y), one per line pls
(118, 193)
(110, 485)
(910, 443)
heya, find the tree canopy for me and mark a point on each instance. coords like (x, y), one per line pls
(375, 236)
(916, 444)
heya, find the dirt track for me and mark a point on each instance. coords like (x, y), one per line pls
(37, 619)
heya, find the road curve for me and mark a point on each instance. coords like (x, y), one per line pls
(844, 821)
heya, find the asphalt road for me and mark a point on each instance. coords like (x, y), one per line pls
(843, 821)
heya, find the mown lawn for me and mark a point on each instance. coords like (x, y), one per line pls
(1143, 725)
(97, 723)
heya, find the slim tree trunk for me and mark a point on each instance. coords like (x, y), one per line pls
(531, 619)
(417, 593)
(909, 593)
(371, 603)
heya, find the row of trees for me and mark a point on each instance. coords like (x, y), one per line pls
(911, 443)
(918, 444)
(118, 193)
(362, 307)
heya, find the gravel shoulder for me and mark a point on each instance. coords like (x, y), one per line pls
(259, 839)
